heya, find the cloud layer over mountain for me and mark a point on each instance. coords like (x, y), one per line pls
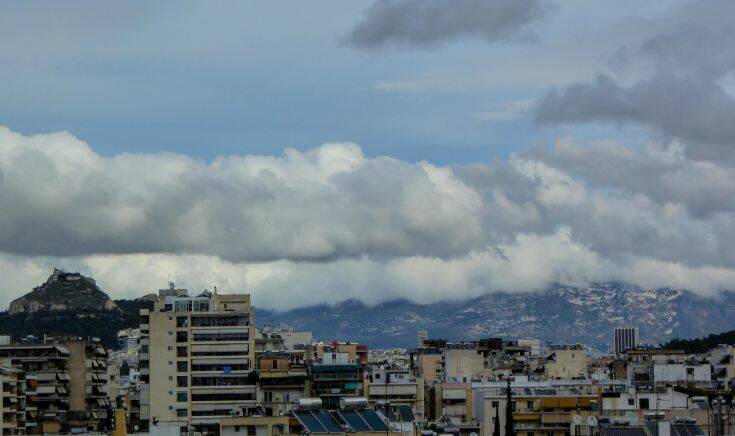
(331, 223)
(334, 222)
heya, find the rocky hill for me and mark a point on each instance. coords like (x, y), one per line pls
(69, 304)
(559, 314)
(63, 291)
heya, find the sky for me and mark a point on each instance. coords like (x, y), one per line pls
(312, 152)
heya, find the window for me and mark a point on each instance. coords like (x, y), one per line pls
(201, 305)
(182, 352)
(170, 362)
(170, 333)
(643, 403)
(182, 337)
(268, 396)
(182, 306)
(251, 430)
(182, 381)
(170, 348)
(631, 402)
(182, 321)
(181, 413)
(182, 397)
(182, 366)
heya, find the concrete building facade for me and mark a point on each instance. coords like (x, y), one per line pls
(196, 359)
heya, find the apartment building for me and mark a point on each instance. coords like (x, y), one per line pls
(11, 401)
(639, 363)
(87, 368)
(357, 353)
(282, 378)
(45, 385)
(395, 388)
(722, 360)
(539, 411)
(271, 338)
(566, 363)
(196, 359)
(335, 375)
(626, 338)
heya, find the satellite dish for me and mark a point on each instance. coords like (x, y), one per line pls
(592, 421)
(577, 420)
(632, 418)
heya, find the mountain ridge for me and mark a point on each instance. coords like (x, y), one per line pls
(559, 314)
(70, 303)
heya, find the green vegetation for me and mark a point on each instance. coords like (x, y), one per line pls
(701, 345)
(100, 323)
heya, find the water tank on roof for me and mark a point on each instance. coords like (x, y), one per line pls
(353, 403)
(307, 403)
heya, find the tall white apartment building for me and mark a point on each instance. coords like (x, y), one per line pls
(196, 359)
(626, 338)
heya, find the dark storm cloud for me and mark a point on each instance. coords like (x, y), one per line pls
(688, 55)
(428, 22)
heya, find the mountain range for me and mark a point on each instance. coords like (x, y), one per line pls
(70, 303)
(559, 314)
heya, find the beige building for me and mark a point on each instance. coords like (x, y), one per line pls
(395, 387)
(12, 401)
(429, 367)
(282, 378)
(196, 359)
(462, 365)
(566, 364)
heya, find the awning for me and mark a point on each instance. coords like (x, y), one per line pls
(47, 376)
(46, 389)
